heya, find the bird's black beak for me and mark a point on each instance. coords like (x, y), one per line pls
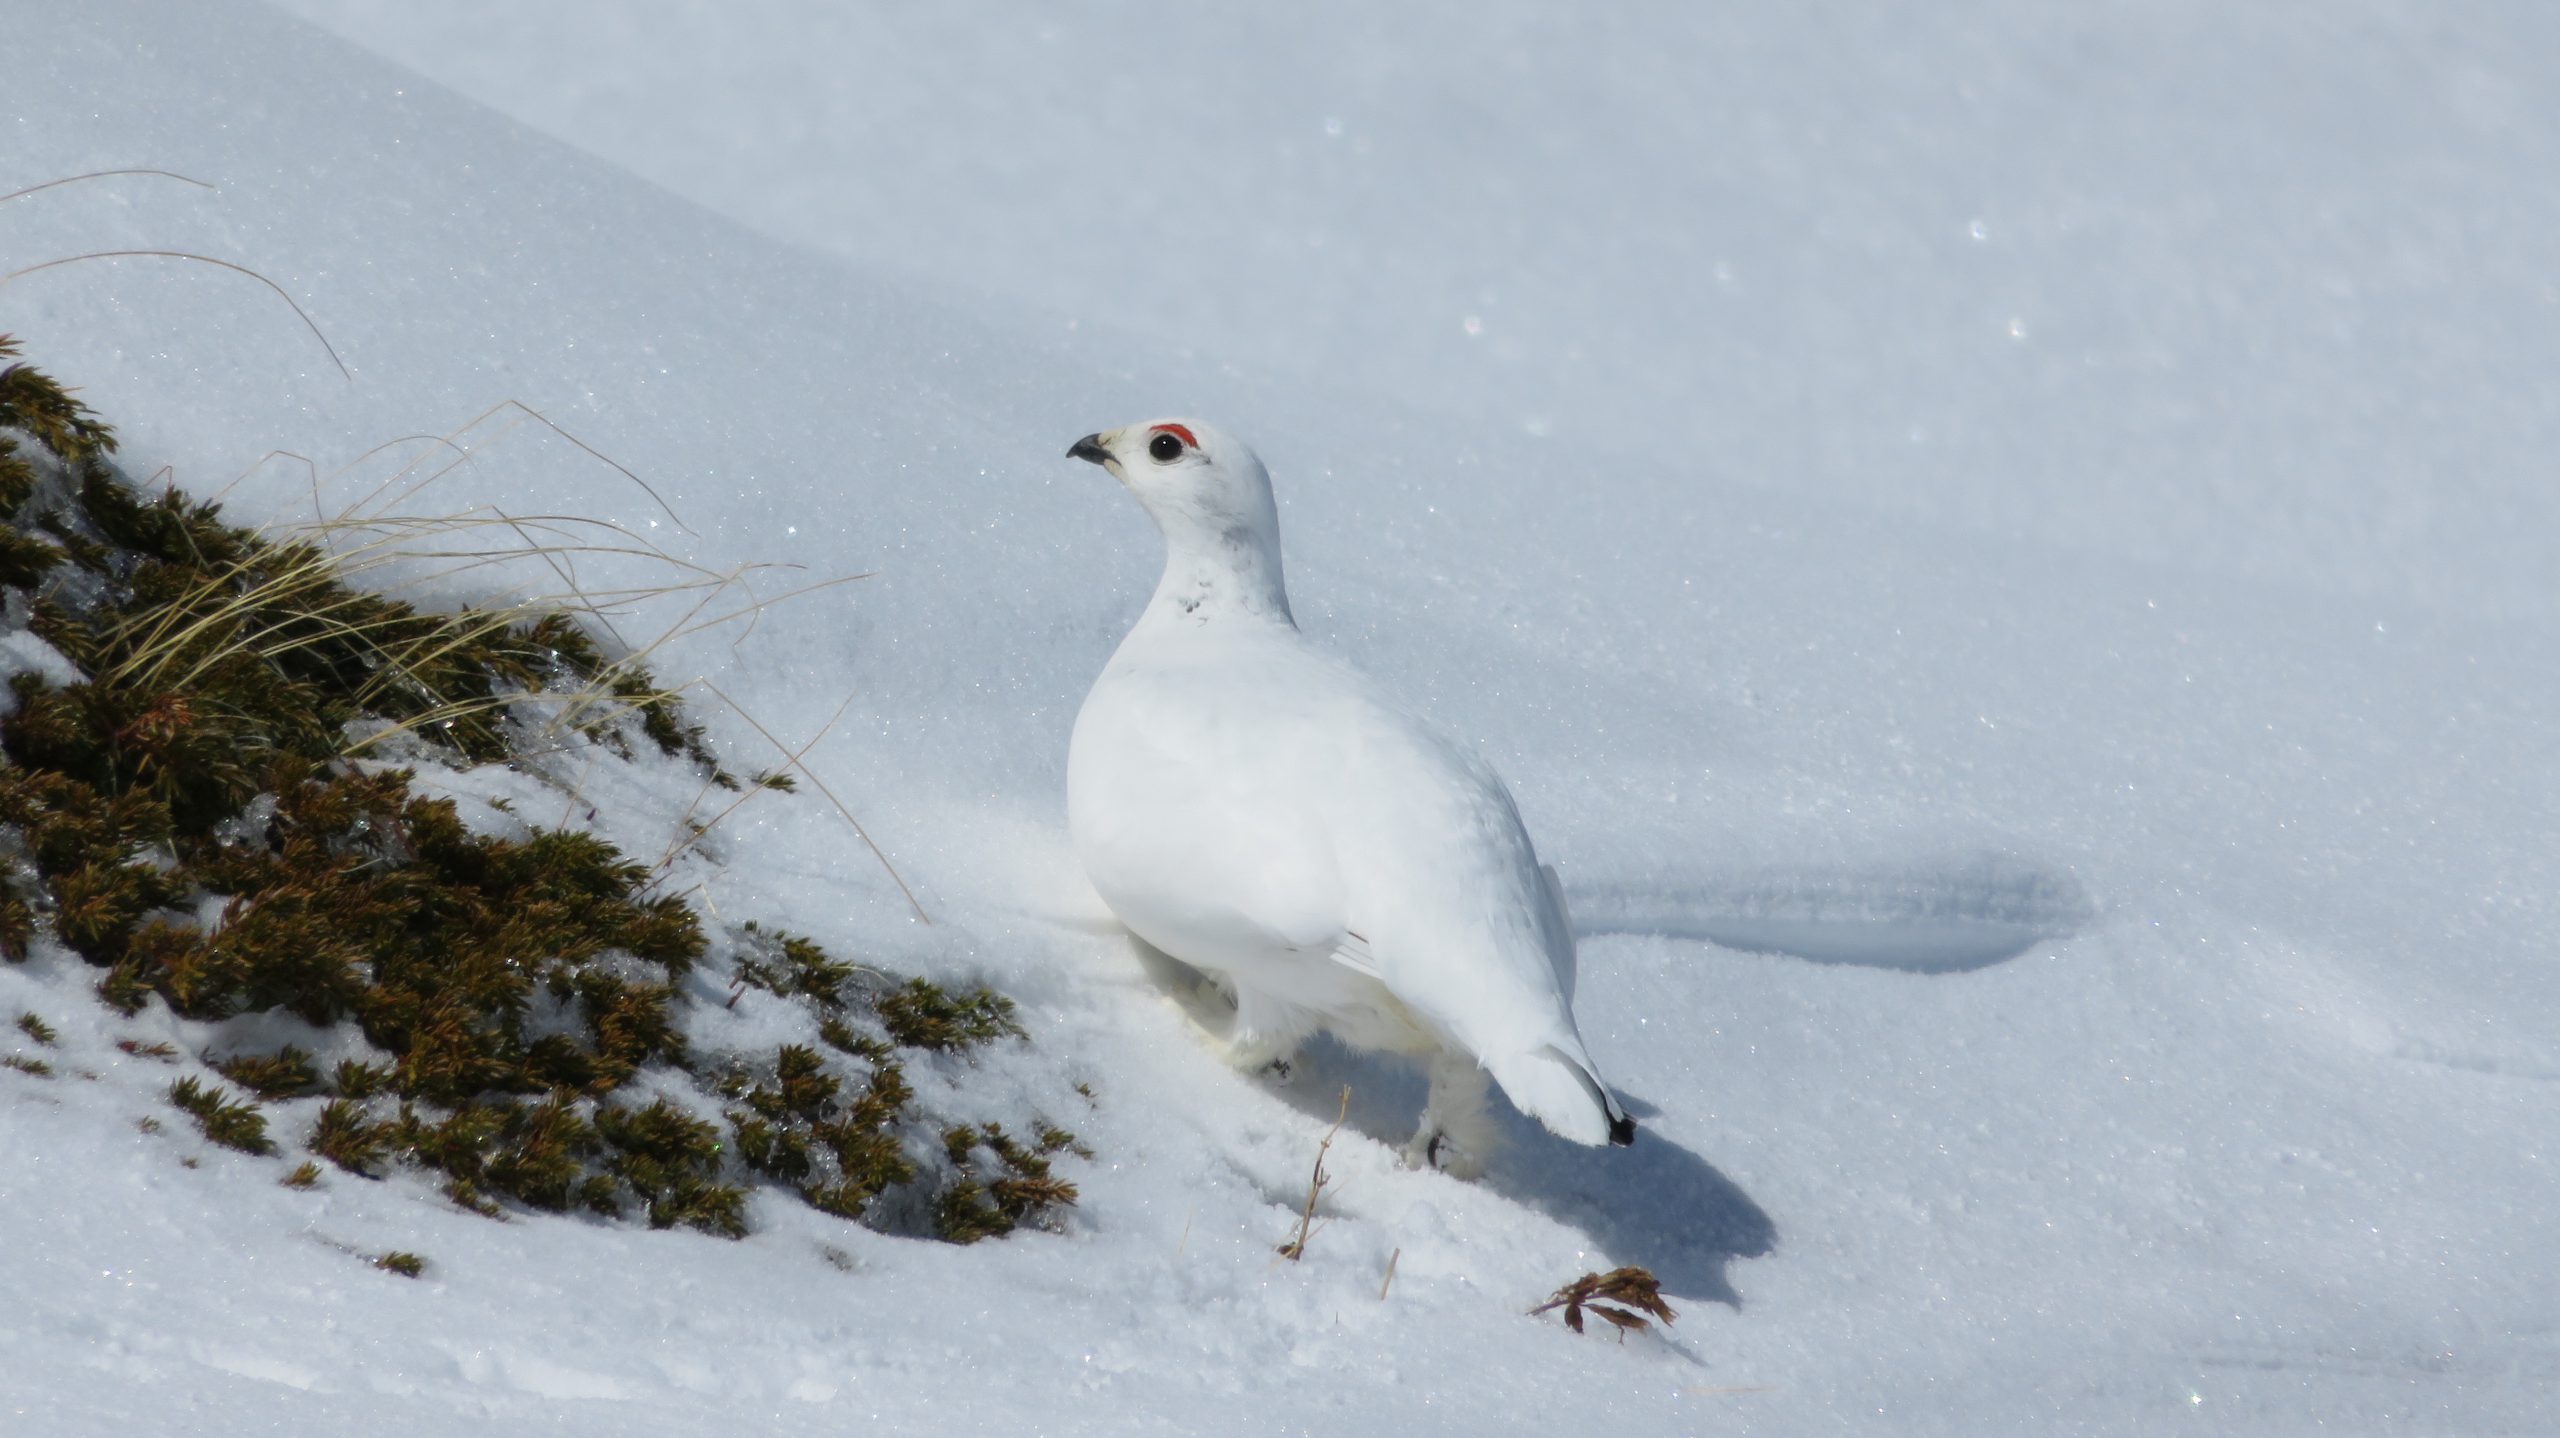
(1090, 450)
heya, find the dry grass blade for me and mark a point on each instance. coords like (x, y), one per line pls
(1296, 1248)
(1637, 1292)
(307, 321)
(231, 615)
(231, 611)
(309, 598)
(463, 454)
(102, 175)
(560, 542)
(752, 613)
(607, 459)
(812, 776)
(699, 832)
(367, 535)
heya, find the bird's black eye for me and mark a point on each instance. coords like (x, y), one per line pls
(1165, 448)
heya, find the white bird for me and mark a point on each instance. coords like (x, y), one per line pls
(1264, 813)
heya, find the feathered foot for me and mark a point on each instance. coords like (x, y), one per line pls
(1457, 1135)
(1264, 1035)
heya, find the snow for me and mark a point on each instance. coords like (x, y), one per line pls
(2041, 518)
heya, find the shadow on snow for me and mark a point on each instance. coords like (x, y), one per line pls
(1656, 1204)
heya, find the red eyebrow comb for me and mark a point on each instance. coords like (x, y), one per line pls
(1180, 433)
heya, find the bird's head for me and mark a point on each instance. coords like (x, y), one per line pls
(1207, 493)
(1188, 474)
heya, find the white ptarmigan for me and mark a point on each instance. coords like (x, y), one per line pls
(1264, 813)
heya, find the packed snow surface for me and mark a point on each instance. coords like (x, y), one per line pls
(2004, 550)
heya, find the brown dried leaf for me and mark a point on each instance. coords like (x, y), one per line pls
(1633, 1287)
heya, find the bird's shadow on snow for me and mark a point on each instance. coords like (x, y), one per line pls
(1931, 914)
(1655, 1204)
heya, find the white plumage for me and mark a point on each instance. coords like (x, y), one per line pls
(1266, 814)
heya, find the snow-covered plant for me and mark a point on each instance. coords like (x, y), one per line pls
(197, 800)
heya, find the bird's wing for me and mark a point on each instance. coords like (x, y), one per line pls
(1215, 861)
(1352, 952)
(1481, 944)
(1462, 920)
(1559, 916)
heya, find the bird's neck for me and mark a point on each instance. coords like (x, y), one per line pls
(1218, 573)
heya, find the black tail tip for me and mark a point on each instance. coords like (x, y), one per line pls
(1622, 1131)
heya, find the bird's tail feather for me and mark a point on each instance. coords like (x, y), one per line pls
(1563, 1093)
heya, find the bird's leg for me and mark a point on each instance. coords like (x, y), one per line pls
(1457, 1133)
(1278, 1062)
(1265, 1033)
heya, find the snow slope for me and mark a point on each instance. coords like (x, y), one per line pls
(2148, 276)
(2006, 557)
